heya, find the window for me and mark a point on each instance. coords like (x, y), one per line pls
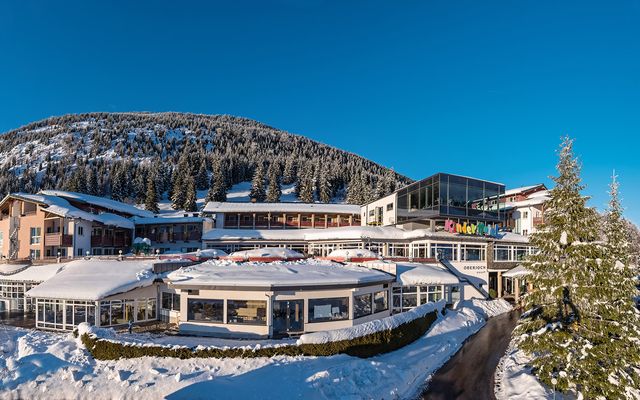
(472, 253)
(501, 253)
(362, 305)
(333, 309)
(409, 297)
(444, 251)
(372, 213)
(380, 301)
(80, 252)
(35, 235)
(433, 293)
(142, 310)
(252, 312)
(390, 207)
(206, 310)
(525, 214)
(81, 230)
(35, 254)
(170, 301)
(117, 313)
(151, 308)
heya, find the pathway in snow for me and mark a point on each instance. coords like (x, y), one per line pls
(470, 373)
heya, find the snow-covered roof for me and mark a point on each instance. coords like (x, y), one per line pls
(162, 219)
(415, 274)
(34, 273)
(320, 208)
(517, 272)
(99, 202)
(517, 190)
(7, 269)
(348, 233)
(266, 252)
(59, 206)
(352, 253)
(273, 275)
(95, 279)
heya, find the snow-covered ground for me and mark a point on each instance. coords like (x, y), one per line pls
(35, 364)
(514, 380)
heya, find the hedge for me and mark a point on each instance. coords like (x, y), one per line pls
(364, 346)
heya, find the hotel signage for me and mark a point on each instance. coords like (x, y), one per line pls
(479, 229)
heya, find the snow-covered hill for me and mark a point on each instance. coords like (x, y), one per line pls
(99, 153)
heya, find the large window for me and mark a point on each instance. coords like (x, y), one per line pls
(35, 235)
(251, 312)
(206, 310)
(380, 301)
(362, 305)
(170, 301)
(409, 297)
(501, 253)
(333, 309)
(444, 251)
(472, 252)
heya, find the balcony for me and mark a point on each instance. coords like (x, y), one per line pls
(57, 239)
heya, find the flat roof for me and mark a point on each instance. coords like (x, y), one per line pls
(322, 208)
(95, 279)
(34, 273)
(307, 273)
(349, 233)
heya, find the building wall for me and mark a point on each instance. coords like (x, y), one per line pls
(382, 215)
(242, 330)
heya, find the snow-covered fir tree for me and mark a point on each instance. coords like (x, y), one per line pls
(325, 190)
(273, 191)
(92, 182)
(151, 197)
(355, 192)
(257, 192)
(190, 195)
(289, 173)
(202, 176)
(218, 187)
(305, 184)
(582, 331)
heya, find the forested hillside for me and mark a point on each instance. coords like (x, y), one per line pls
(134, 157)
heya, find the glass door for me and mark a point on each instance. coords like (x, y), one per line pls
(288, 317)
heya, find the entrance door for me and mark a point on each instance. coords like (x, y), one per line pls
(288, 317)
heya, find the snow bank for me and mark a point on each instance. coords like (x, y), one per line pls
(490, 308)
(368, 328)
(514, 379)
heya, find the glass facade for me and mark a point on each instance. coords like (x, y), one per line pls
(449, 196)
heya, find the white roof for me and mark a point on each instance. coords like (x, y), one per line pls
(34, 273)
(348, 233)
(280, 274)
(267, 252)
(59, 206)
(164, 219)
(519, 189)
(320, 208)
(352, 253)
(95, 279)
(416, 274)
(517, 272)
(11, 268)
(99, 202)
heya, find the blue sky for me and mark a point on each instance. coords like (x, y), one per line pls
(485, 90)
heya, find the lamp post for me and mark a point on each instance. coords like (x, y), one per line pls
(58, 256)
(120, 254)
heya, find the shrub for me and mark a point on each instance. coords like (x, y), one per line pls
(364, 346)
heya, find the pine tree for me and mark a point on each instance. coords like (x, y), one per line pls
(202, 177)
(289, 174)
(304, 184)
(273, 191)
(257, 185)
(92, 181)
(580, 330)
(151, 198)
(218, 189)
(325, 190)
(190, 196)
(355, 191)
